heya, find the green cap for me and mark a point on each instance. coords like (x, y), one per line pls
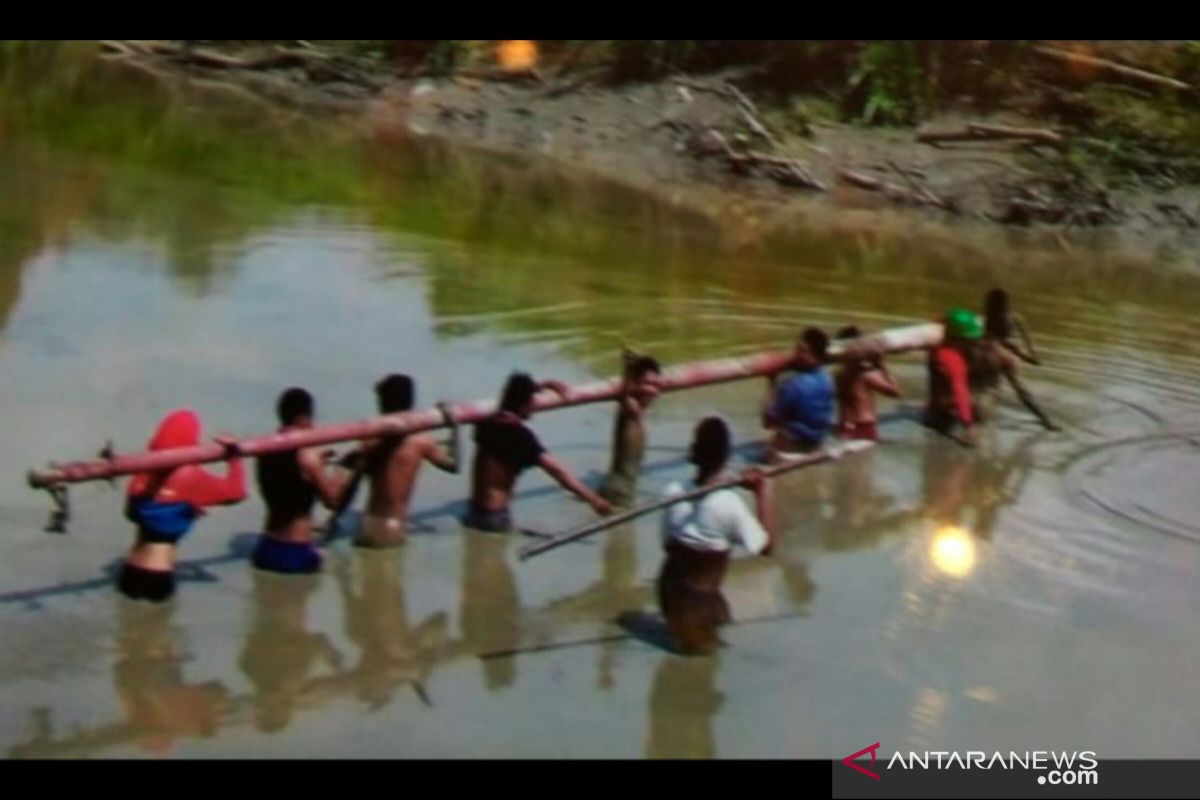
(964, 324)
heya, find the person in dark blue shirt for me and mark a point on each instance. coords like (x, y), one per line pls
(802, 408)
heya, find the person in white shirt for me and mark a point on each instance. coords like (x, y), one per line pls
(698, 536)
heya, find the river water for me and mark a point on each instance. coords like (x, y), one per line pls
(164, 246)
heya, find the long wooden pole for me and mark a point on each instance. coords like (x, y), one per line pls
(685, 376)
(831, 454)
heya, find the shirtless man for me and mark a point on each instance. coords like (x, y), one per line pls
(640, 387)
(290, 483)
(856, 385)
(992, 361)
(1001, 324)
(505, 447)
(393, 463)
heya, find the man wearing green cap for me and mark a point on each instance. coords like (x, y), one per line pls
(950, 404)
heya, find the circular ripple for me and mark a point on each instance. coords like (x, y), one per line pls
(1149, 481)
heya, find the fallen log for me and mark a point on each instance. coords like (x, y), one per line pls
(920, 189)
(1112, 68)
(979, 132)
(784, 170)
(685, 376)
(891, 190)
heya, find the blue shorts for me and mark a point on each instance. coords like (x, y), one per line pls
(289, 558)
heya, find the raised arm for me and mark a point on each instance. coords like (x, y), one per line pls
(881, 380)
(447, 459)
(202, 488)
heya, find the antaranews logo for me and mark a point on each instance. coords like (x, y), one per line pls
(1054, 767)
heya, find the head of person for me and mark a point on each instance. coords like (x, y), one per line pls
(996, 318)
(811, 349)
(644, 376)
(853, 332)
(963, 327)
(517, 397)
(395, 393)
(296, 408)
(711, 443)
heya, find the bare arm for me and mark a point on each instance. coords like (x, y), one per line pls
(754, 480)
(330, 488)
(433, 452)
(1028, 401)
(566, 479)
(881, 380)
(1031, 355)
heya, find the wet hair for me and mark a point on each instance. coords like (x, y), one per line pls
(816, 341)
(642, 366)
(996, 319)
(518, 392)
(849, 332)
(711, 444)
(293, 404)
(395, 393)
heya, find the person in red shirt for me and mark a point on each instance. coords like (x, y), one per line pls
(166, 504)
(950, 410)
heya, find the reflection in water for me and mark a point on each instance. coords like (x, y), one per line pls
(953, 551)
(489, 606)
(683, 701)
(392, 653)
(861, 516)
(132, 182)
(280, 652)
(160, 706)
(149, 680)
(618, 592)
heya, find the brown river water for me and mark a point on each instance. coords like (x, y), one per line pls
(159, 248)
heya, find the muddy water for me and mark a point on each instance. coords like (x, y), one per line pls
(161, 248)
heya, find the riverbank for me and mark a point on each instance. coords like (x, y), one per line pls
(1013, 174)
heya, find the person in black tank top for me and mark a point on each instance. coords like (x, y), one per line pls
(290, 483)
(505, 448)
(283, 487)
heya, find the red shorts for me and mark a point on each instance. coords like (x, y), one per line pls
(861, 430)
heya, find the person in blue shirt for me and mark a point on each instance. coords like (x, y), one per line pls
(801, 410)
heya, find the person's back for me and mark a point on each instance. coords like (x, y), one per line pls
(801, 409)
(804, 407)
(989, 363)
(290, 483)
(857, 383)
(505, 447)
(392, 465)
(166, 505)
(289, 497)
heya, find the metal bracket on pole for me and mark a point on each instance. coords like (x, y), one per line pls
(107, 453)
(60, 515)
